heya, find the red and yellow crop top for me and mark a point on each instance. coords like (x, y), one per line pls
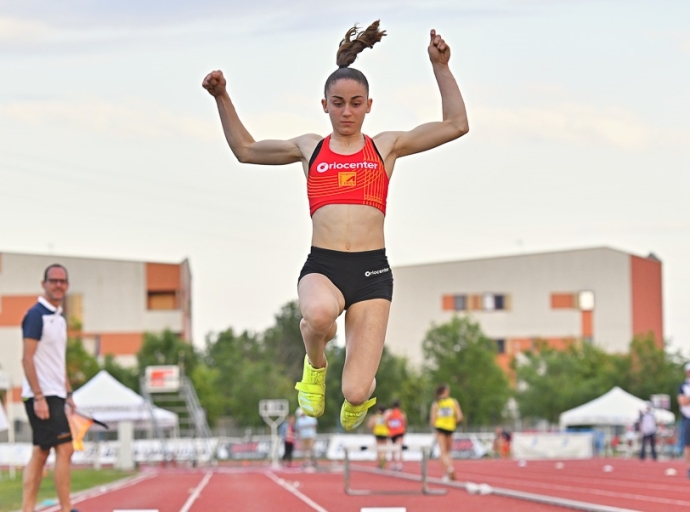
(359, 178)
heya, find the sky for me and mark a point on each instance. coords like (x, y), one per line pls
(110, 148)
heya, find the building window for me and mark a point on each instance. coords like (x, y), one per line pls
(585, 300)
(563, 301)
(483, 302)
(500, 302)
(455, 303)
(494, 302)
(157, 301)
(501, 346)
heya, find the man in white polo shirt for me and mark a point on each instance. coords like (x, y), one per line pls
(46, 389)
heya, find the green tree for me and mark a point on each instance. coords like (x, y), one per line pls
(247, 375)
(206, 381)
(459, 354)
(166, 348)
(81, 366)
(283, 342)
(396, 380)
(552, 381)
(654, 370)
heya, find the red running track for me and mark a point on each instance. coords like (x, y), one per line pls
(631, 485)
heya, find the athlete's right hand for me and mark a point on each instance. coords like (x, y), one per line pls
(214, 83)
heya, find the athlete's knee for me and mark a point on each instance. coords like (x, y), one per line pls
(318, 319)
(356, 393)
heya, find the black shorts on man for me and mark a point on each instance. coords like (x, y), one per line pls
(53, 431)
(359, 276)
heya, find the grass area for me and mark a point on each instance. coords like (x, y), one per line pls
(11, 490)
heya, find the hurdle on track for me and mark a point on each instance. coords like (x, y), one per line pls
(425, 489)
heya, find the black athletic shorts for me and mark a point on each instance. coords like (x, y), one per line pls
(445, 432)
(53, 431)
(394, 439)
(358, 275)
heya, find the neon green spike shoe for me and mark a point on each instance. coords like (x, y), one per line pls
(352, 416)
(312, 390)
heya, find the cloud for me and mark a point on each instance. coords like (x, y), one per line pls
(24, 30)
(126, 120)
(133, 13)
(131, 20)
(570, 123)
(139, 119)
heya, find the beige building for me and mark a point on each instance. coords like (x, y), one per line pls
(110, 304)
(602, 295)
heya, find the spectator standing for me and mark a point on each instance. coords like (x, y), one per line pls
(305, 427)
(396, 420)
(648, 431)
(444, 418)
(288, 433)
(507, 437)
(498, 443)
(377, 425)
(46, 389)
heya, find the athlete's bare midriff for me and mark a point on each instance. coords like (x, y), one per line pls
(348, 228)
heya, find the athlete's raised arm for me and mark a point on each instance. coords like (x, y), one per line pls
(454, 123)
(242, 144)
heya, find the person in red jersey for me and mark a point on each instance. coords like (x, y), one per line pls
(347, 184)
(396, 420)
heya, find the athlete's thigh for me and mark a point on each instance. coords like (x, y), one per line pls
(365, 333)
(449, 442)
(441, 441)
(317, 292)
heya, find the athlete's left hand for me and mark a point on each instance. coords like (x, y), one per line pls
(70, 403)
(439, 51)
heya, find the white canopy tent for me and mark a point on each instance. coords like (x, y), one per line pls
(617, 407)
(107, 400)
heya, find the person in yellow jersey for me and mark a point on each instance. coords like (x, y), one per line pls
(379, 427)
(444, 418)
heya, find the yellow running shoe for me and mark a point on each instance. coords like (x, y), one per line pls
(352, 416)
(312, 389)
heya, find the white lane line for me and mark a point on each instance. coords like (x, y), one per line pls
(294, 491)
(507, 482)
(197, 492)
(100, 490)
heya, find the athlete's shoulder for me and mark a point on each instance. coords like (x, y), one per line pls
(308, 140)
